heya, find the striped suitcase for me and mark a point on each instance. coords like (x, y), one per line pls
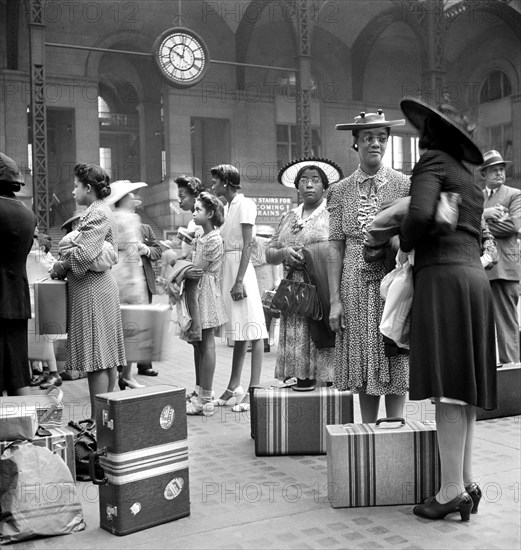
(143, 450)
(382, 464)
(288, 422)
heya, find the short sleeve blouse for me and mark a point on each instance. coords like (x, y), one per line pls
(241, 210)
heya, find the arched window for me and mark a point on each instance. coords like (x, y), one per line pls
(496, 86)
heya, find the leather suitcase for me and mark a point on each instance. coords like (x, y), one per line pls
(143, 450)
(50, 306)
(508, 394)
(390, 462)
(288, 422)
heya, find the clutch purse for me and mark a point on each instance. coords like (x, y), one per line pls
(298, 297)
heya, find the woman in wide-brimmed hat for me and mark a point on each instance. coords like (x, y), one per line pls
(129, 269)
(452, 354)
(300, 354)
(361, 361)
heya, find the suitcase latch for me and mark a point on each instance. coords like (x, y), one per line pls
(107, 421)
(112, 512)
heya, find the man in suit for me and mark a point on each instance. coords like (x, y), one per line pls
(502, 211)
(150, 251)
(17, 225)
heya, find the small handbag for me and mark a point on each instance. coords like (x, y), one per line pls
(267, 303)
(298, 297)
(447, 213)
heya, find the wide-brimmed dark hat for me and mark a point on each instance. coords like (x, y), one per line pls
(9, 170)
(288, 173)
(417, 112)
(491, 158)
(366, 121)
(77, 214)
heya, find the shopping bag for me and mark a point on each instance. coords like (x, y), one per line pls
(397, 289)
(37, 494)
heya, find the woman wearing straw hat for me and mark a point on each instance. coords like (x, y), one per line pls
(361, 364)
(129, 270)
(452, 351)
(300, 355)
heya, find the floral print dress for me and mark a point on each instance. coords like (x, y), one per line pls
(360, 361)
(297, 354)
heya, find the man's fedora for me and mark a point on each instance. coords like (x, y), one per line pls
(491, 158)
(366, 121)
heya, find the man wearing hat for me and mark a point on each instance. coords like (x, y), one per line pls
(502, 211)
(17, 225)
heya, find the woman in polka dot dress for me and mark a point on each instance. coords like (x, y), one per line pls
(95, 342)
(361, 364)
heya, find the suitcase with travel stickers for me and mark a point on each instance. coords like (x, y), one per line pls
(143, 451)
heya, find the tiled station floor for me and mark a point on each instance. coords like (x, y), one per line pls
(241, 501)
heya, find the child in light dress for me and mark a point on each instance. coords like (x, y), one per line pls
(207, 257)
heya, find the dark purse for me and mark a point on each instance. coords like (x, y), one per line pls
(298, 297)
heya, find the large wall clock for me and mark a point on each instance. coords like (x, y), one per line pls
(182, 56)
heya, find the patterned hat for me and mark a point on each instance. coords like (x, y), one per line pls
(288, 173)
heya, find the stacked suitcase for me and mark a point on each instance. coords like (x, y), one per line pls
(143, 450)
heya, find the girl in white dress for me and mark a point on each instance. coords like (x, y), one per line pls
(240, 290)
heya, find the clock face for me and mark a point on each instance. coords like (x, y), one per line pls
(182, 57)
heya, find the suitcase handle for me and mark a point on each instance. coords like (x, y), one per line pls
(93, 460)
(391, 419)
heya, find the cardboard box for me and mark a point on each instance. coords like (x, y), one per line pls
(48, 406)
(288, 422)
(50, 306)
(17, 422)
(144, 328)
(382, 464)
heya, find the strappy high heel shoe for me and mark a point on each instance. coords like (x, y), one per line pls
(238, 393)
(432, 509)
(474, 491)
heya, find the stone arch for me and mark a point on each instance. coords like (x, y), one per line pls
(244, 33)
(365, 41)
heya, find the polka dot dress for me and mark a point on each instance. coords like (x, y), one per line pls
(360, 361)
(95, 332)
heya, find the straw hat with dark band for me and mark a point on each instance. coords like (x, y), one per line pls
(418, 111)
(366, 121)
(120, 188)
(288, 173)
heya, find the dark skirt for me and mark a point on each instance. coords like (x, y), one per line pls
(452, 350)
(14, 361)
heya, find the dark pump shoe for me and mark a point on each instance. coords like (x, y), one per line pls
(147, 372)
(432, 509)
(51, 379)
